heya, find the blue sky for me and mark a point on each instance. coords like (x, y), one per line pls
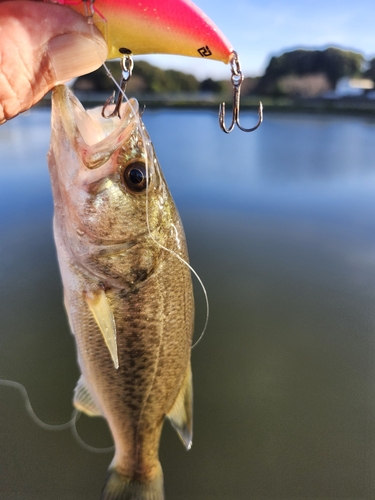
(259, 29)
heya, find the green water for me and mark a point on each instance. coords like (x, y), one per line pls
(280, 227)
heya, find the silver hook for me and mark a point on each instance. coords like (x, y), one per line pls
(127, 65)
(237, 79)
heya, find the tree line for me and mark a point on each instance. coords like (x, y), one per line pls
(296, 72)
(147, 79)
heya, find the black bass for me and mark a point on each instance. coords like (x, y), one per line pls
(127, 291)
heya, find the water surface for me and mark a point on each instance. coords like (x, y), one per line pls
(280, 226)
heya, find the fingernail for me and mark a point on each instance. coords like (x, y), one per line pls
(73, 55)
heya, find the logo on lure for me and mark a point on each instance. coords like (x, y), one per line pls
(205, 51)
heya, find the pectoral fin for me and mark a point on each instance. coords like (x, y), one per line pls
(84, 401)
(181, 414)
(100, 308)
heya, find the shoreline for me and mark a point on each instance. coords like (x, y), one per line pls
(347, 106)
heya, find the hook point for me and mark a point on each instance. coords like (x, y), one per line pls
(260, 112)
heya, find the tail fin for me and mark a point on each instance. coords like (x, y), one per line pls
(119, 487)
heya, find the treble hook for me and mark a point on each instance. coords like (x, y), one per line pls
(237, 79)
(127, 65)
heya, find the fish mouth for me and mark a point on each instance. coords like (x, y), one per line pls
(94, 137)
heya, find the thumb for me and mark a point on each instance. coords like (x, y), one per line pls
(42, 45)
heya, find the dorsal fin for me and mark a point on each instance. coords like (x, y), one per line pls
(100, 308)
(181, 414)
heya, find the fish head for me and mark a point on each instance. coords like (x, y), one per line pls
(107, 182)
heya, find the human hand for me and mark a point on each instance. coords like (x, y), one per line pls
(42, 45)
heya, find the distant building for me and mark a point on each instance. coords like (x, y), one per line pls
(353, 86)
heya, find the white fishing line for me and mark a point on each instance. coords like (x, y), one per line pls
(81, 442)
(21, 388)
(175, 254)
(71, 424)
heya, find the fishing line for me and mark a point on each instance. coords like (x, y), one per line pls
(146, 141)
(71, 424)
(181, 259)
(22, 389)
(175, 254)
(93, 449)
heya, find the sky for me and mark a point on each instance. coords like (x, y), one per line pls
(259, 29)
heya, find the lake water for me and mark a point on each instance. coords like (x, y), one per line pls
(281, 228)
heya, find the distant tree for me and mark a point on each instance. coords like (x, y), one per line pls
(152, 77)
(177, 81)
(332, 62)
(99, 80)
(338, 63)
(210, 85)
(146, 78)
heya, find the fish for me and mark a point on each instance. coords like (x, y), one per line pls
(128, 292)
(138, 27)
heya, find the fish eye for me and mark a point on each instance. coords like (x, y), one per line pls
(135, 177)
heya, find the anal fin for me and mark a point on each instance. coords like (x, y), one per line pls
(84, 401)
(181, 414)
(100, 308)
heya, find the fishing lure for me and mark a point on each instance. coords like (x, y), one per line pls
(178, 27)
